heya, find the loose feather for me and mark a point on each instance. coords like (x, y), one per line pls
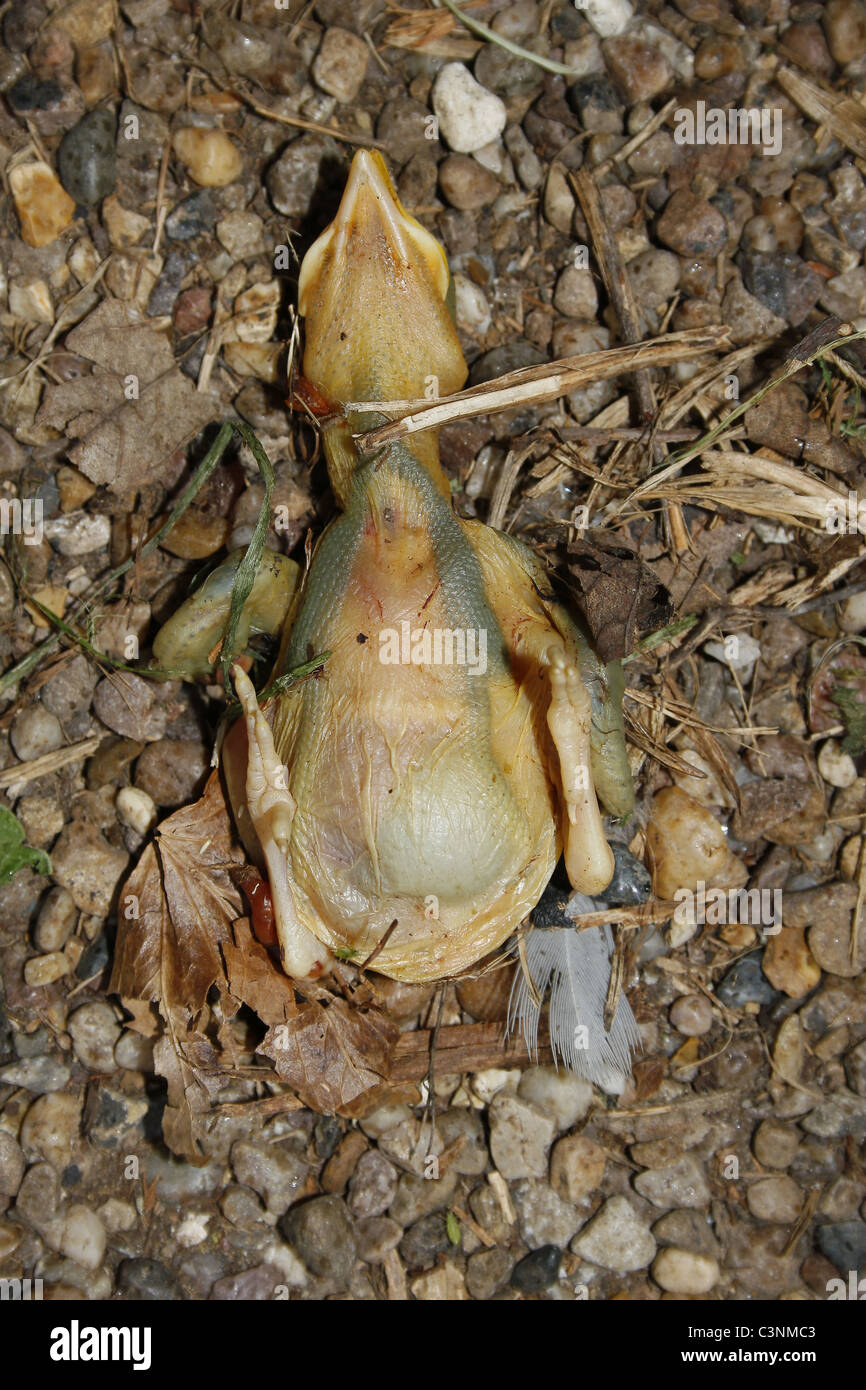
(575, 966)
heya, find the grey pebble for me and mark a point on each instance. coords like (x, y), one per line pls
(86, 158)
(631, 883)
(746, 983)
(11, 1162)
(543, 1216)
(844, 1243)
(487, 1271)
(323, 1236)
(192, 217)
(425, 1241)
(277, 1173)
(147, 1280)
(35, 731)
(376, 1236)
(38, 1075)
(373, 1185)
(461, 1123)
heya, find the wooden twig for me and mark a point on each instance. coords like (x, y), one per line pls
(842, 116)
(462, 1047)
(532, 385)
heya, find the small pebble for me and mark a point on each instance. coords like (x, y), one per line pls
(576, 1167)
(373, 1185)
(788, 963)
(10, 1239)
(745, 983)
(94, 1031)
(242, 234)
(35, 732)
(616, 1238)
(11, 1164)
(51, 1127)
(855, 1068)
(78, 533)
(560, 1094)
(377, 1235)
(679, 1184)
(136, 809)
(543, 1217)
(340, 65)
(171, 770)
(193, 216)
(86, 160)
(607, 17)
(83, 1237)
(40, 1202)
(520, 1136)
(845, 26)
(278, 1174)
(146, 1281)
(128, 705)
(37, 1074)
(775, 1199)
(575, 294)
(43, 206)
(425, 1241)
(469, 115)
(844, 1243)
(322, 1235)
(692, 1014)
(242, 1208)
(465, 184)
(835, 765)
(691, 226)
(640, 68)
(84, 862)
(212, 159)
(684, 1271)
(463, 1125)
(774, 1143)
(56, 921)
(44, 970)
(134, 1052)
(488, 1270)
(537, 1270)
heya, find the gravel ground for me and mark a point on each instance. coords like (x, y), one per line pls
(160, 163)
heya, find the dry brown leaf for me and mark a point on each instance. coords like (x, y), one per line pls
(330, 1054)
(254, 977)
(190, 1088)
(125, 443)
(621, 595)
(185, 904)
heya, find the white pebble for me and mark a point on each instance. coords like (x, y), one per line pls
(83, 1237)
(835, 765)
(469, 116)
(134, 1052)
(118, 1215)
(607, 17)
(684, 1271)
(473, 310)
(853, 615)
(35, 731)
(136, 808)
(740, 651)
(560, 1094)
(193, 1229)
(78, 533)
(94, 1031)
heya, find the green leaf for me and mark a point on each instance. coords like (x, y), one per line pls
(452, 1226)
(853, 712)
(14, 854)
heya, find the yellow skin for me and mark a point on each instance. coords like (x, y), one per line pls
(390, 789)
